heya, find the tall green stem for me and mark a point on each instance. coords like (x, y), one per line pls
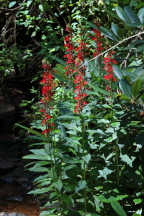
(84, 168)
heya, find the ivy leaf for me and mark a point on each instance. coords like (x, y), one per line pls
(104, 173)
(125, 158)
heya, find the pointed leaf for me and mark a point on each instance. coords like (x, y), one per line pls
(141, 15)
(117, 71)
(108, 33)
(126, 88)
(117, 207)
(131, 15)
(122, 15)
(115, 28)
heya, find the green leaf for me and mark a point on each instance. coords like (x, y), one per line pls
(103, 199)
(132, 16)
(122, 15)
(117, 207)
(137, 201)
(136, 87)
(38, 168)
(117, 71)
(11, 4)
(115, 29)
(58, 185)
(116, 125)
(104, 173)
(112, 138)
(103, 121)
(125, 158)
(125, 87)
(81, 185)
(141, 15)
(41, 8)
(87, 158)
(108, 33)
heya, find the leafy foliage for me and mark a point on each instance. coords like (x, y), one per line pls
(91, 162)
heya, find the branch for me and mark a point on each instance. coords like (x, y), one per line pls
(116, 45)
(12, 9)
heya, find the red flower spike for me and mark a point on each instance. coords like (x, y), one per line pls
(47, 93)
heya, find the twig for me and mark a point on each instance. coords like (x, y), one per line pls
(12, 9)
(116, 45)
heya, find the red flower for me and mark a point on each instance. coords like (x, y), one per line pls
(108, 61)
(47, 93)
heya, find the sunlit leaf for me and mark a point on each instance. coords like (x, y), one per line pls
(141, 15)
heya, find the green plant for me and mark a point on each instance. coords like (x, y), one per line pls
(90, 162)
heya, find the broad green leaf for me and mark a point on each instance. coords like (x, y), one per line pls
(41, 190)
(103, 199)
(39, 152)
(108, 33)
(38, 168)
(115, 29)
(117, 71)
(136, 87)
(138, 201)
(122, 15)
(60, 72)
(117, 207)
(11, 4)
(131, 15)
(97, 89)
(115, 125)
(141, 15)
(37, 157)
(81, 185)
(66, 117)
(58, 185)
(125, 88)
(31, 131)
(103, 121)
